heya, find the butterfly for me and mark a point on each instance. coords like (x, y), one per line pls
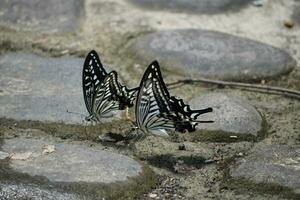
(102, 91)
(157, 111)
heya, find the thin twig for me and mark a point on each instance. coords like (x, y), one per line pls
(261, 88)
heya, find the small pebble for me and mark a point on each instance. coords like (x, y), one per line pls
(240, 154)
(152, 195)
(182, 147)
(289, 23)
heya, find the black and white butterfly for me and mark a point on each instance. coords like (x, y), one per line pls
(156, 110)
(102, 91)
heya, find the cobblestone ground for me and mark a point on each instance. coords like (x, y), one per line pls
(48, 151)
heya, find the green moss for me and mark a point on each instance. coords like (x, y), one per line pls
(70, 131)
(263, 132)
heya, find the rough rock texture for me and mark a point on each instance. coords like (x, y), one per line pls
(273, 164)
(48, 16)
(43, 89)
(72, 166)
(25, 191)
(195, 53)
(230, 114)
(193, 6)
(3, 155)
(296, 14)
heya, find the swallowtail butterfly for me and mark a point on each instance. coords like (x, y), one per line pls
(156, 110)
(102, 91)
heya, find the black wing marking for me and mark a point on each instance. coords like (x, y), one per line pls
(153, 101)
(121, 93)
(190, 116)
(155, 109)
(93, 75)
(101, 90)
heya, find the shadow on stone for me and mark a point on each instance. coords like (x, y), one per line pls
(177, 163)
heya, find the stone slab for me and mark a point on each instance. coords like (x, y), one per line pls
(43, 15)
(72, 169)
(70, 162)
(200, 53)
(230, 114)
(193, 6)
(273, 164)
(42, 89)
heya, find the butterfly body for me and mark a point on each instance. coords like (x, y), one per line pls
(102, 91)
(157, 111)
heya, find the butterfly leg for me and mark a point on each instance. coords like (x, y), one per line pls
(127, 115)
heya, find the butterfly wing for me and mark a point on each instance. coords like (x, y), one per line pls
(152, 107)
(155, 109)
(93, 75)
(121, 93)
(105, 100)
(188, 115)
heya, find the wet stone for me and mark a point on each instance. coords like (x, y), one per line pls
(47, 16)
(230, 114)
(42, 89)
(193, 6)
(74, 168)
(273, 164)
(211, 54)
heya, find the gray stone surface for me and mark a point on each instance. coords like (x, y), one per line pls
(276, 164)
(194, 6)
(3, 155)
(71, 170)
(70, 162)
(40, 88)
(43, 15)
(296, 14)
(230, 114)
(195, 53)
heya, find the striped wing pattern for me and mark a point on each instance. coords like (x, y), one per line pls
(156, 110)
(104, 101)
(152, 107)
(93, 75)
(121, 93)
(101, 90)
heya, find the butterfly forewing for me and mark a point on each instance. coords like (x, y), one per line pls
(152, 101)
(104, 101)
(92, 76)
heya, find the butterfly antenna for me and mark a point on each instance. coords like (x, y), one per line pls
(204, 121)
(84, 116)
